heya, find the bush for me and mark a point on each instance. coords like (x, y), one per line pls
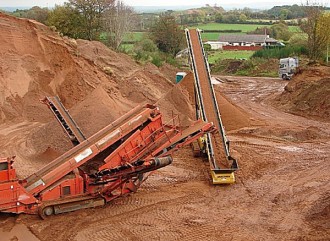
(156, 60)
(299, 40)
(147, 51)
(280, 52)
(207, 47)
(147, 45)
(141, 55)
(126, 48)
(172, 61)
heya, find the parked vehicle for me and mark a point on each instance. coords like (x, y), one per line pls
(287, 67)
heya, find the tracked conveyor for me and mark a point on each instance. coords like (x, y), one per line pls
(216, 145)
(111, 163)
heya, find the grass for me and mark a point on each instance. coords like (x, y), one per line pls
(240, 26)
(137, 36)
(223, 26)
(294, 29)
(228, 26)
(134, 36)
(127, 47)
(216, 55)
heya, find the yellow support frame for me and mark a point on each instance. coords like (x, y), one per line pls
(222, 178)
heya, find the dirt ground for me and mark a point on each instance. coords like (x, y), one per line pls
(282, 190)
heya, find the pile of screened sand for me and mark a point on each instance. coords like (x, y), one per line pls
(307, 94)
(232, 116)
(96, 84)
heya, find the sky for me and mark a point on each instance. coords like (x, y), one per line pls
(233, 4)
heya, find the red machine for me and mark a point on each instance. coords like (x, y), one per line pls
(109, 164)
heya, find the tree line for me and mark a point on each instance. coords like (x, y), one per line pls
(218, 14)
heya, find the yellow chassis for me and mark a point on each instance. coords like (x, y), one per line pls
(222, 178)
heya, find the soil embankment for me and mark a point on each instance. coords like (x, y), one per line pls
(308, 93)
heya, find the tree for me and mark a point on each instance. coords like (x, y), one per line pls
(316, 42)
(91, 12)
(37, 13)
(284, 13)
(218, 18)
(247, 11)
(242, 18)
(323, 30)
(167, 34)
(67, 20)
(146, 45)
(231, 18)
(117, 22)
(299, 40)
(281, 31)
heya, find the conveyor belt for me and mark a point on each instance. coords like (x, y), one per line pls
(217, 143)
(64, 118)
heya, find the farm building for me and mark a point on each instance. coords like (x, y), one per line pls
(215, 44)
(243, 42)
(247, 42)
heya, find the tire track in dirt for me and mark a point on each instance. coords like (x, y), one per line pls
(138, 219)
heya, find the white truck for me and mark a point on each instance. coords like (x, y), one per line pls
(287, 67)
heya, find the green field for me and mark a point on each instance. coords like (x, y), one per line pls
(227, 26)
(295, 29)
(127, 47)
(134, 36)
(234, 54)
(230, 26)
(213, 36)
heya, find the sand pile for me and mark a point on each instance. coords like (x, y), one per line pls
(232, 116)
(95, 83)
(169, 71)
(35, 62)
(307, 94)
